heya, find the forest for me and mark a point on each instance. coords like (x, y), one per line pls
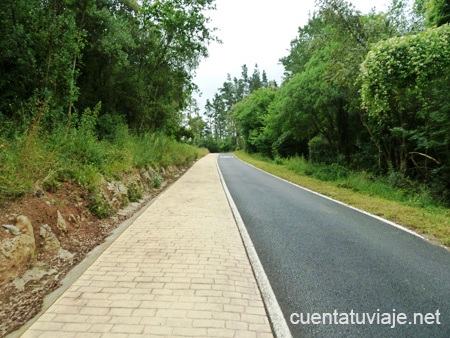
(99, 86)
(95, 87)
(361, 92)
(61, 57)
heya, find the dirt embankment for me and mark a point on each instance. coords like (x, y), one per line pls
(64, 230)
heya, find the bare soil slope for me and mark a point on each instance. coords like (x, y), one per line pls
(21, 297)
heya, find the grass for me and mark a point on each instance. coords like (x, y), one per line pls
(415, 211)
(36, 159)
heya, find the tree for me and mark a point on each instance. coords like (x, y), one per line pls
(255, 81)
(61, 57)
(323, 66)
(141, 59)
(305, 106)
(402, 90)
(437, 12)
(40, 42)
(250, 114)
(220, 113)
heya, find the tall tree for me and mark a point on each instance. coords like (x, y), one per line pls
(39, 44)
(402, 86)
(141, 62)
(60, 57)
(220, 111)
(250, 114)
(324, 64)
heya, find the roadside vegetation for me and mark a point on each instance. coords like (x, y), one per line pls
(362, 111)
(93, 89)
(393, 198)
(44, 161)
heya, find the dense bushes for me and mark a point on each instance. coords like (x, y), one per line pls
(394, 186)
(130, 55)
(362, 92)
(59, 59)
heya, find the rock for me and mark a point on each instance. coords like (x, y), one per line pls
(61, 223)
(171, 169)
(51, 242)
(132, 178)
(24, 225)
(38, 191)
(111, 186)
(65, 255)
(146, 177)
(16, 253)
(74, 220)
(85, 215)
(117, 187)
(12, 229)
(122, 191)
(35, 274)
(119, 195)
(115, 204)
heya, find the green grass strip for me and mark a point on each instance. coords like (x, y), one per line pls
(430, 221)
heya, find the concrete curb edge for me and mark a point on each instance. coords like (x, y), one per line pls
(76, 271)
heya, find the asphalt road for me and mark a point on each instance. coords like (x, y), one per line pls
(322, 257)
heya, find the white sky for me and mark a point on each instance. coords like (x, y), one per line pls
(256, 32)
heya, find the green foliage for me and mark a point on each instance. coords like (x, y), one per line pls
(80, 157)
(437, 12)
(60, 58)
(135, 193)
(157, 181)
(217, 146)
(361, 92)
(222, 119)
(100, 207)
(136, 58)
(393, 187)
(319, 97)
(159, 150)
(403, 81)
(22, 164)
(320, 150)
(250, 114)
(409, 61)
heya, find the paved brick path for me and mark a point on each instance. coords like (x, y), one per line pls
(179, 270)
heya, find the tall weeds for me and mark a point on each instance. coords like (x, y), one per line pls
(38, 159)
(391, 187)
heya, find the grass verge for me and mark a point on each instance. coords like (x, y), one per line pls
(40, 160)
(378, 198)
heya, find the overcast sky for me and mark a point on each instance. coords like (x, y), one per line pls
(255, 32)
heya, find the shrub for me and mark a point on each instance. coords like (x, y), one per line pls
(135, 193)
(320, 151)
(76, 153)
(100, 207)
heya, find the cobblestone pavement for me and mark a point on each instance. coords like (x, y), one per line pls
(180, 270)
